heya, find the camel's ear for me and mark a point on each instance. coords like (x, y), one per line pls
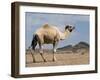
(67, 27)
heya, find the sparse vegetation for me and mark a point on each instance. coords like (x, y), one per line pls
(68, 55)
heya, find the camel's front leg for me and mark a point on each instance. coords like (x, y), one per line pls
(54, 50)
(41, 52)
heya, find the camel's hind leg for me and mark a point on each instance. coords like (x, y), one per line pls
(32, 55)
(41, 52)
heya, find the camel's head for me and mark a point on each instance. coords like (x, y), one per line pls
(69, 28)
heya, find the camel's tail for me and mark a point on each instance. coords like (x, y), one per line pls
(34, 41)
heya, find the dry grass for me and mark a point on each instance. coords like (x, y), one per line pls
(63, 58)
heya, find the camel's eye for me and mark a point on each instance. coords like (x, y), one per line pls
(70, 27)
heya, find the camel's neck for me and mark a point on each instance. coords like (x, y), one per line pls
(65, 34)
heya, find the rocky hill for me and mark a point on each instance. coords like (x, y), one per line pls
(80, 45)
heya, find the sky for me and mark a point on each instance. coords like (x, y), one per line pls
(34, 21)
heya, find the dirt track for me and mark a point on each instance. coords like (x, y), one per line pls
(63, 58)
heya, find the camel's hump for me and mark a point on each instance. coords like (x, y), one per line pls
(46, 26)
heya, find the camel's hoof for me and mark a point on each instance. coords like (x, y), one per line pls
(34, 61)
(54, 59)
(45, 60)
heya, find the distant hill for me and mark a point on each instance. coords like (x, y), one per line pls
(68, 47)
(80, 45)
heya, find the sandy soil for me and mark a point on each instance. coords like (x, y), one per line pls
(63, 58)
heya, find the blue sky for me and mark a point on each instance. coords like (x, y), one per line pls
(33, 21)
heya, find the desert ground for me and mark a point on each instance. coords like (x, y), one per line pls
(63, 57)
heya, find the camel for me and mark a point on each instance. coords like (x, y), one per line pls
(48, 34)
